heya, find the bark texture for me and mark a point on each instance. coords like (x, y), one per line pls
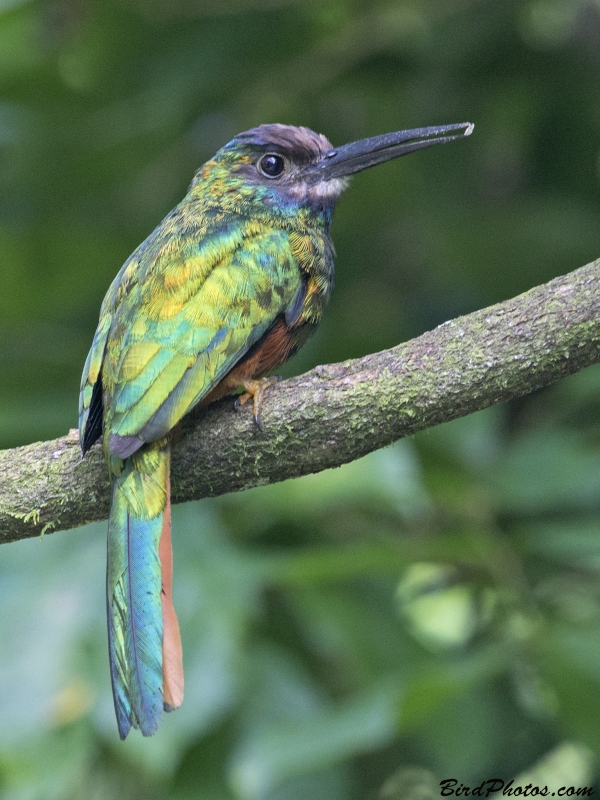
(332, 414)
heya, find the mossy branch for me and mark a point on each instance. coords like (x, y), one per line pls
(332, 414)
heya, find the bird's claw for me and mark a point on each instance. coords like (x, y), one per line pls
(255, 390)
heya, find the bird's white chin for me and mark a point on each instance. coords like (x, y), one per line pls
(324, 192)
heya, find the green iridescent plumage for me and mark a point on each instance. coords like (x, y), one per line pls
(226, 288)
(135, 622)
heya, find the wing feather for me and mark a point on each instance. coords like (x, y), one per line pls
(171, 342)
(90, 399)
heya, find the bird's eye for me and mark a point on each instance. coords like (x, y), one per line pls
(271, 165)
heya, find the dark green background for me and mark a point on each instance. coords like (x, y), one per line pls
(434, 606)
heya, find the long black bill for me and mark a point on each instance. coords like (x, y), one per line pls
(354, 157)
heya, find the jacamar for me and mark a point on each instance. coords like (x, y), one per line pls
(230, 284)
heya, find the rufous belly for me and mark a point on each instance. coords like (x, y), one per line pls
(269, 353)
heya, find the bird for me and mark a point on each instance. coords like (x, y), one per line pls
(225, 290)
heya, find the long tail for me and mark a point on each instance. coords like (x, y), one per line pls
(143, 633)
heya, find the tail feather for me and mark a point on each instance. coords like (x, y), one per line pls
(139, 518)
(172, 652)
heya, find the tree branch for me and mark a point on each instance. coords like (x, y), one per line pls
(332, 414)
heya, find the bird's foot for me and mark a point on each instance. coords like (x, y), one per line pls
(255, 390)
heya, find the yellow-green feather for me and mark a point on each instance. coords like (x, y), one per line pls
(189, 340)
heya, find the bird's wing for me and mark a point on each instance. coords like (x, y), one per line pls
(163, 254)
(90, 394)
(181, 322)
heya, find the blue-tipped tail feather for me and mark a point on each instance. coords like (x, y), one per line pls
(139, 518)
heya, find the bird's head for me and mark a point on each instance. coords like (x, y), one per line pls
(284, 167)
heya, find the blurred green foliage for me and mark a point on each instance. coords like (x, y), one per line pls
(430, 612)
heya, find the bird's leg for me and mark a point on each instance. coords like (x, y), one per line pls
(255, 389)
